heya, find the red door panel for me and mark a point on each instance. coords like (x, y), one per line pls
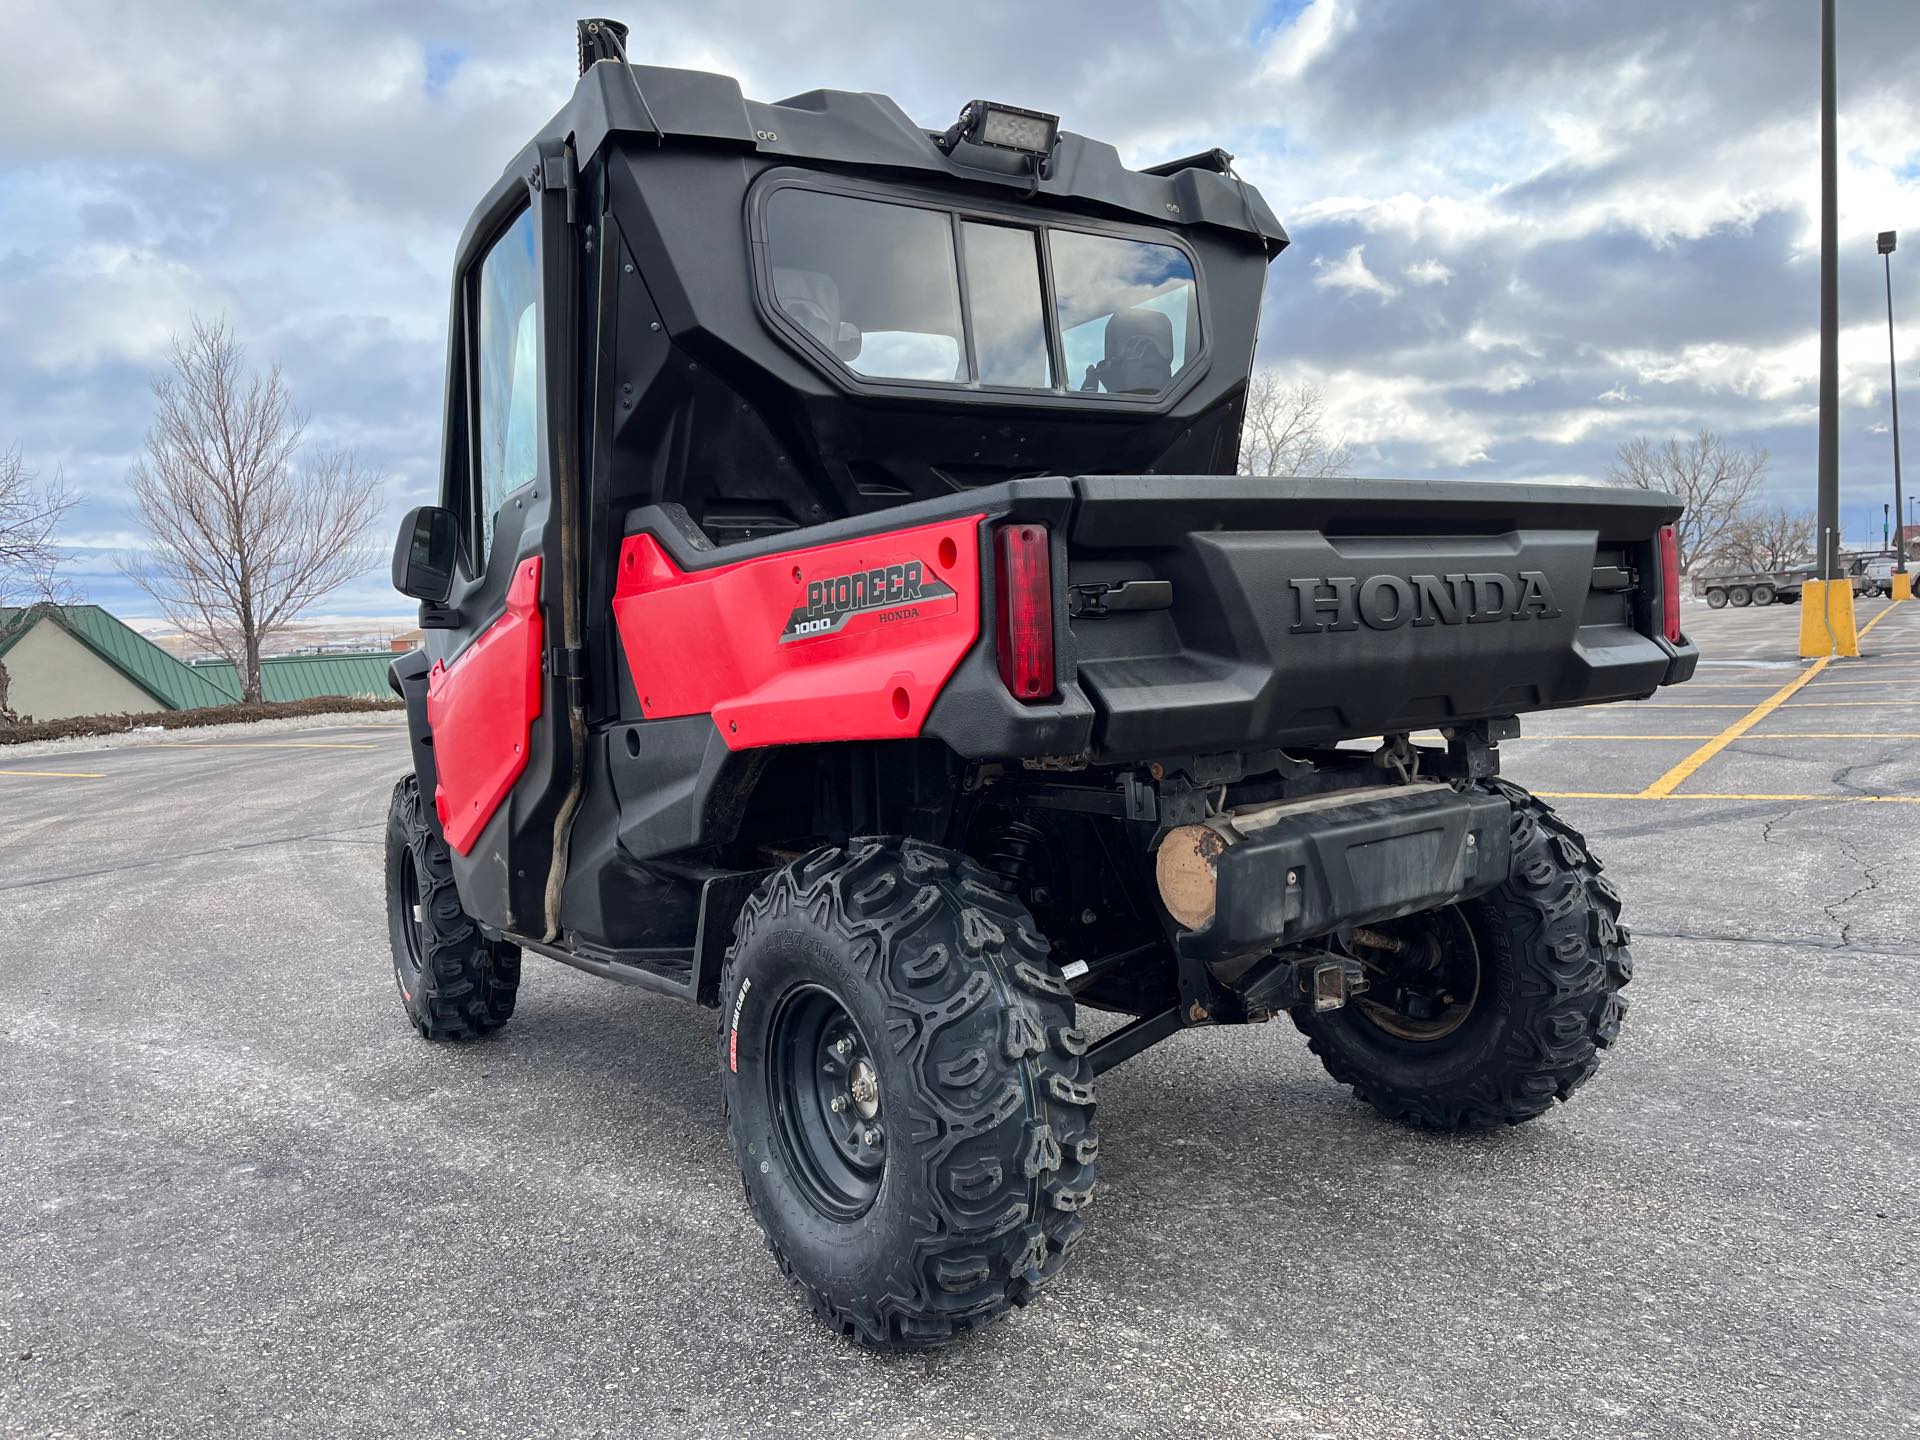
(481, 710)
(850, 641)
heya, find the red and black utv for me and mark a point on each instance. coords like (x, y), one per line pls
(842, 611)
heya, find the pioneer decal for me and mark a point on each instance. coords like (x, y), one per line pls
(1387, 602)
(894, 591)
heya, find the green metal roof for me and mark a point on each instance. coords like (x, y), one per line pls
(309, 677)
(173, 684)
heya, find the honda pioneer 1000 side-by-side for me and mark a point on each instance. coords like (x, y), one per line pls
(842, 613)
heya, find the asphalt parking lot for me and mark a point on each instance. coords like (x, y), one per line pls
(239, 1197)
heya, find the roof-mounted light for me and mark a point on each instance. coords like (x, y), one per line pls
(1003, 127)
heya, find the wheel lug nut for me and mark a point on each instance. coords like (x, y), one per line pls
(843, 1046)
(838, 1103)
(870, 1137)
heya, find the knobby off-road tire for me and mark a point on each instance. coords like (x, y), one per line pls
(1553, 957)
(454, 983)
(985, 1115)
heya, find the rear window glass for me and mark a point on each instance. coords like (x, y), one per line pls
(874, 283)
(878, 286)
(1003, 295)
(1128, 312)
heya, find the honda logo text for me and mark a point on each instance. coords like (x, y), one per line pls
(1387, 602)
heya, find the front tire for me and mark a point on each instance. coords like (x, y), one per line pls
(455, 984)
(1508, 1010)
(907, 1095)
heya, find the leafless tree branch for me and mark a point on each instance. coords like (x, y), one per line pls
(30, 511)
(1284, 431)
(244, 540)
(1770, 538)
(1716, 482)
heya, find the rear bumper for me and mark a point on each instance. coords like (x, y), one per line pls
(1355, 862)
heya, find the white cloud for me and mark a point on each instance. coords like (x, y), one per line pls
(1304, 39)
(1618, 395)
(1350, 273)
(1428, 272)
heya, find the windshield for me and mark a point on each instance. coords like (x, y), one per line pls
(904, 292)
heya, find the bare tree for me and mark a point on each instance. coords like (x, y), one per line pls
(30, 511)
(1285, 432)
(1716, 483)
(1769, 538)
(244, 540)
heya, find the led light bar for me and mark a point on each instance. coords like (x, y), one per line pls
(1005, 127)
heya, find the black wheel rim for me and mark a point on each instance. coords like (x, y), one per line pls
(829, 1119)
(1423, 974)
(412, 919)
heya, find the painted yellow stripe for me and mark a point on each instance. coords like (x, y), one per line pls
(263, 745)
(1837, 735)
(1682, 772)
(1874, 621)
(1643, 795)
(58, 774)
(1763, 735)
(1556, 739)
(1798, 704)
(1693, 685)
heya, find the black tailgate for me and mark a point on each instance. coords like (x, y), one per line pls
(1304, 611)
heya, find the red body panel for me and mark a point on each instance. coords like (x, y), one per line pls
(481, 711)
(849, 641)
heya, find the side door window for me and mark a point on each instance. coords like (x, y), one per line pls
(507, 378)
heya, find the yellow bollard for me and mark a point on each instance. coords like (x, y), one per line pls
(1902, 585)
(1826, 619)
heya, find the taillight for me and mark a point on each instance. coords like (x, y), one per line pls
(1026, 611)
(1670, 583)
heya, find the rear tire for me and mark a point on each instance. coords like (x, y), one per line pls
(1740, 596)
(455, 984)
(1551, 959)
(1716, 599)
(924, 996)
(1763, 594)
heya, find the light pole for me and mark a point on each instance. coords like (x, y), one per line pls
(1893, 394)
(1826, 608)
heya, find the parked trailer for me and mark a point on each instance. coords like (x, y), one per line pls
(1750, 587)
(1742, 588)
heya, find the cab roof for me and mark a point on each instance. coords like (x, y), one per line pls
(861, 130)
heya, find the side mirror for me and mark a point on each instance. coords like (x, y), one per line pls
(424, 555)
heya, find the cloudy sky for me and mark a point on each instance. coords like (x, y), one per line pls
(1524, 230)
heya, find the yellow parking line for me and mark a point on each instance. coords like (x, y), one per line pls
(58, 774)
(1693, 685)
(263, 745)
(1835, 735)
(1682, 772)
(1556, 739)
(1704, 795)
(1762, 735)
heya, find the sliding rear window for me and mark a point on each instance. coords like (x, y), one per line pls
(893, 291)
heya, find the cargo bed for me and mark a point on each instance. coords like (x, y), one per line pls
(1275, 612)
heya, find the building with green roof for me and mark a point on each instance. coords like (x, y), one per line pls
(64, 660)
